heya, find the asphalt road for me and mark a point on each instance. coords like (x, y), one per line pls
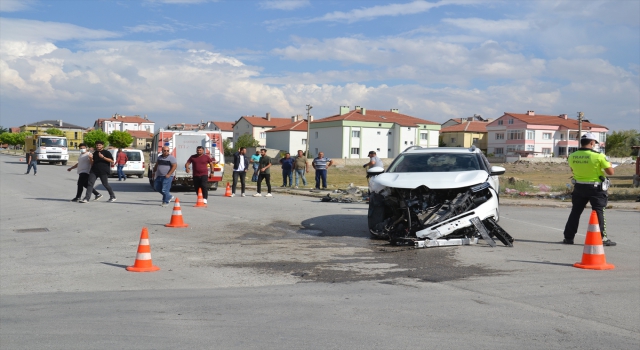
(290, 272)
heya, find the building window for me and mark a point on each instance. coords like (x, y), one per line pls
(423, 136)
(355, 151)
(500, 136)
(355, 133)
(377, 149)
(531, 135)
(499, 150)
(247, 126)
(406, 143)
(573, 136)
(562, 151)
(561, 137)
(572, 149)
(304, 141)
(316, 151)
(500, 122)
(475, 140)
(378, 133)
(603, 137)
(389, 132)
(453, 140)
(530, 148)
(75, 135)
(263, 135)
(510, 121)
(515, 135)
(409, 129)
(546, 136)
(546, 151)
(411, 142)
(316, 134)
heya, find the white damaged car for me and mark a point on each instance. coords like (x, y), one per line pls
(431, 197)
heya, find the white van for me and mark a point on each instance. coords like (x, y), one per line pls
(135, 166)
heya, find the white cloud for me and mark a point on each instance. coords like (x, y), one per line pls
(589, 50)
(31, 30)
(151, 28)
(503, 26)
(178, 1)
(286, 5)
(15, 5)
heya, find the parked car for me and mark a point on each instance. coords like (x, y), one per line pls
(134, 167)
(436, 196)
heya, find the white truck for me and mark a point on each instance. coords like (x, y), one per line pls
(50, 149)
(182, 145)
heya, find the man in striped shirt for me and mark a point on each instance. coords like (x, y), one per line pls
(321, 164)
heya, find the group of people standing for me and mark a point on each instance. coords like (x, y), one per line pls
(292, 168)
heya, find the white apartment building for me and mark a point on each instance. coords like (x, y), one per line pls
(257, 127)
(123, 123)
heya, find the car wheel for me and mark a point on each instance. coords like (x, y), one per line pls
(140, 176)
(150, 175)
(64, 162)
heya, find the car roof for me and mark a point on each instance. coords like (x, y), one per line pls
(457, 150)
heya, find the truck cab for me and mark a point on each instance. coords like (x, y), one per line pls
(50, 149)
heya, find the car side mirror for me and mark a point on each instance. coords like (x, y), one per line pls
(497, 170)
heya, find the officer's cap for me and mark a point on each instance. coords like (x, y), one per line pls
(590, 136)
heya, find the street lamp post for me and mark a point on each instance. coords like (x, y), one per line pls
(308, 130)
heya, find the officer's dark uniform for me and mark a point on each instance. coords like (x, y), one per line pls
(588, 174)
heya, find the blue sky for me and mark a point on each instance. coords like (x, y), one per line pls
(190, 60)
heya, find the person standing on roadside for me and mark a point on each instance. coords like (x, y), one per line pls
(84, 167)
(374, 162)
(163, 173)
(589, 168)
(321, 164)
(100, 168)
(287, 168)
(32, 162)
(240, 166)
(300, 167)
(121, 161)
(265, 173)
(255, 161)
(201, 165)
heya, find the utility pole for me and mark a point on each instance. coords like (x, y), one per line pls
(580, 117)
(308, 129)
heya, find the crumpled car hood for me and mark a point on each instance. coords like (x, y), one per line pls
(431, 180)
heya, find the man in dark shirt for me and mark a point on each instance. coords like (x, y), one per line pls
(287, 169)
(265, 173)
(201, 165)
(32, 161)
(100, 168)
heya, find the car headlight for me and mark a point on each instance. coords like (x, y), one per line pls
(480, 187)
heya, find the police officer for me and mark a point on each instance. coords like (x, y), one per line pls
(589, 168)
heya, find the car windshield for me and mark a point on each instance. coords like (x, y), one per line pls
(53, 142)
(133, 156)
(434, 163)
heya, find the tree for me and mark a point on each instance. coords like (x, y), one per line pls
(54, 132)
(619, 143)
(92, 136)
(246, 140)
(120, 139)
(3, 130)
(7, 137)
(226, 145)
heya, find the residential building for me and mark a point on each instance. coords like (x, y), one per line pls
(289, 137)
(534, 135)
(225, 127)
(141, 139)
(456, 121)
(353, 133)
(257, 127)
(73, 133)
(465, 134)
(185, 127)
(123, 123)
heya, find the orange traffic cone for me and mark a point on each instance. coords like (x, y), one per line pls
(176, 216)
(200, 202)
(593, 254)
(227, 192)
(143, 261)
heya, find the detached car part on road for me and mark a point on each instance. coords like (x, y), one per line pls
(431, 197)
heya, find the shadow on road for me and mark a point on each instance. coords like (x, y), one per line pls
(336, 226)
(545, 242)
(115, 265)
(542, 262)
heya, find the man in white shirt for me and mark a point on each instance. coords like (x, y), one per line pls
(240, 165)
(84, 166)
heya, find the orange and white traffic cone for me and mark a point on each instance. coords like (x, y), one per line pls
(143, 261)
(176, 216)
(593, 254)
(227, 192)
(200, 202)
